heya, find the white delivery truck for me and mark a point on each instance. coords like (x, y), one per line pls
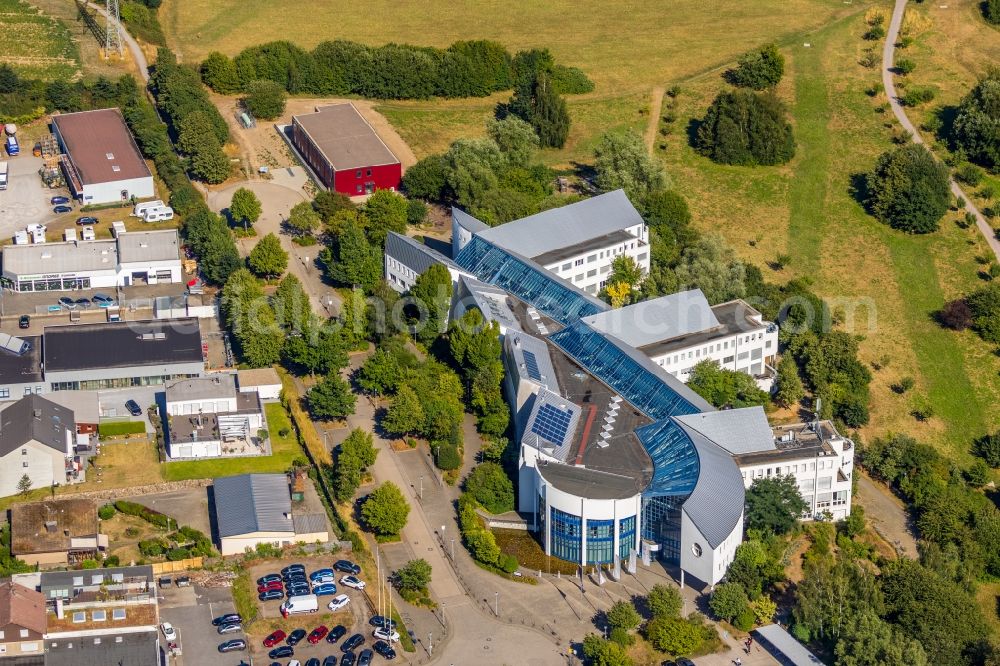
(303, 603)
(141, 208)
(157, 214)
(3, 175)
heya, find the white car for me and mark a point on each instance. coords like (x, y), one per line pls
(338, 602)
(352, 581)
(386, 634)
(294, 662)
(169, 632)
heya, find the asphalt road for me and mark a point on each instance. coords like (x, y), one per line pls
(190, 610)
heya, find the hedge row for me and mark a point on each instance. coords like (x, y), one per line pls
(393, 71)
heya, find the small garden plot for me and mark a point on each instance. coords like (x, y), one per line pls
(36, 45)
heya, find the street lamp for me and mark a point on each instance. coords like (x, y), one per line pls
(496, 608)
(421, 487)
(453, 549)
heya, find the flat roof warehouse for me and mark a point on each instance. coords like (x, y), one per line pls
(100, 146)
(68, 348)
(345, 138)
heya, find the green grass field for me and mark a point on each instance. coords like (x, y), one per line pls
(284, 449)
(35, 44)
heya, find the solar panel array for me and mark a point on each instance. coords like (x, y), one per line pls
(531, 364)
(551, 423)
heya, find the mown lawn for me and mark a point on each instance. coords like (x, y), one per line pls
(284, 449)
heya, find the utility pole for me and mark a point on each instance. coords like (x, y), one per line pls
(453, 549)
(113, 31)
(421, 487)
(430, 643)
(496, 608)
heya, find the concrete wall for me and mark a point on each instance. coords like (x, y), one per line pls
(237, 545)
(17, 391)
(699, 559)
(101, 193)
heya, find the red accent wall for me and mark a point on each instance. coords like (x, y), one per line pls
(381, 178)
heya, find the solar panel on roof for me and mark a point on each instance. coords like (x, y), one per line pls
(551, 423)
(531, 364)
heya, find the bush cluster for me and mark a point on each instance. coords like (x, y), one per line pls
(479, 540)
(745, 128)
(393, 71)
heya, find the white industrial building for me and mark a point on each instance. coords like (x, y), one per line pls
(208, 418)
(100, 160)
(135, 257)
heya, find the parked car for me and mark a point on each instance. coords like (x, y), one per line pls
(347, 567)
(67, 302)
(263, 580)
(382, 621)
(684, 661)
(274, 638)
(324, 590)
(295, 637)
(55, 201)
(294, 662)
(331, 660)
(347, 659)
(280, 652)
(321, 573)
(102, 300)
(230, 628)
(323, 580)
(353, 581)
(390, 635)
(352, 642)
(169, 633)
(338, 602)
(297, 590)
(235, 645)
(86, 220)
(62, 209)
(24, 321)
(336, 633)
(228, 618)
(164, 581)
(271, 595)
(385, 650)
(317, 634)
(135, 410)
(293, 568)
(267, 587)
(313, 661)
(180, 581)
(365, 658)
(83, 303)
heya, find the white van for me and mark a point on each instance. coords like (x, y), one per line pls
(303, 603)
(141, 208)
(158, 213)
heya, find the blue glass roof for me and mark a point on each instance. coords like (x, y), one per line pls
(675, 458)
(631, 376)
(527, 281)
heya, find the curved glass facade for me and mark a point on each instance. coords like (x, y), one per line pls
(626, 536)
(565, 536)
(600, 541)
(675, 459)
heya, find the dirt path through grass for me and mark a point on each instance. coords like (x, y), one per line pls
(655, 105)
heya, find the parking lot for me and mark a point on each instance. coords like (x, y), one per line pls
(190, 610)
(113, 402)
(26, 199)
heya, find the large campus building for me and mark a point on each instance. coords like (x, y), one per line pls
(619, 460)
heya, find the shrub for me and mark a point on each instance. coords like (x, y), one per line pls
(265, 99)
(746, 128)
(448, 457)
(177, 554)
(905, 66)
(621, 637)
(112, 561)
(908, 189)
(969, 174)
(875, 33)
(758, 69)
(991, 11)
(491, 487)
(106, 512)
(917, 95)
(507, 562)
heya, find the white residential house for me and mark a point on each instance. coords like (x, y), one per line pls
(207, 417)
(265, 382)
(38, 439)
(681, 330)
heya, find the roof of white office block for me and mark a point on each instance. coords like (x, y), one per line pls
(656, 320)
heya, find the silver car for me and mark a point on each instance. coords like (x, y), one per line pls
(230, 628)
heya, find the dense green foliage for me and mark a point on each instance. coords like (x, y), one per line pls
(758, 69)
(251, 320)
(908, 189)
(536, 98)
(746, 128)
(265, 99)
(729, 601)
(601, 652)
(268, 258)
(431, 293)
(386, 510)
(834, 373)
(245, 208)
(23, 100)
(354, 456)
(394, 71)
(991, 11)
(475, 348)
(664, 601)
(774, 504)
(480, 542)
(624, 163)
(414, 576)
(725, 388)
(331, 399)
(984, 310)
(790, 390)
(675, 636)
(491, 487)
(976, 130)
(623, 615)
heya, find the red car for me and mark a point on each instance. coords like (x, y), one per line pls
(317, 634)
(267, 587)
(274, 638)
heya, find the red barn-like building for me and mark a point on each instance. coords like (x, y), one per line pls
(344, 151)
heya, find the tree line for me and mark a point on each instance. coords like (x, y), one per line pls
(475, 68)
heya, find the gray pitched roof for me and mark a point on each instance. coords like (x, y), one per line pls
(491, 301)
(656, 320)
(35, 418)
(556, 448)
(468, 222)
(716, 503)
(736, 430)
(252, 503)
(790, 650)
(556, 228)
(517, 344)
(413, 254)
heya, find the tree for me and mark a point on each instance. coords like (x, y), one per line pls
(24, 485)
(600, 652)
(416, 212)
(328, 203)
(303, 219)
(725, 388)
(382, 372)
(790, 390)
(355, 261)
(245, 207)
(386, 211)
(668, 216)
(268, 258)
(331, 399)
(414, 576)
(984, 306)
(265, 99)
(623, 615)
(426, 179)
(405, 414)
(219, 73)
(774, 504)
(987, 447)
(386, 510)
(432, 293)
(664, 601)
(673, 635)
(515, 138)
(622, 162)
(355, 454)
(491, 487)
(975, 127)
(870, 641)
(758, 69)
(211, 164)
(728, 601)
(711, 265)
(991, 11)
(291, 305)
(908, 189)
(746, 128)
(196, 133)
(537, 102)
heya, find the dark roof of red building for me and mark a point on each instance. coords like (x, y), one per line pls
(100, 146)
(345, 138)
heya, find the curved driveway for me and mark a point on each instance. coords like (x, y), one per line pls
(888, 55)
